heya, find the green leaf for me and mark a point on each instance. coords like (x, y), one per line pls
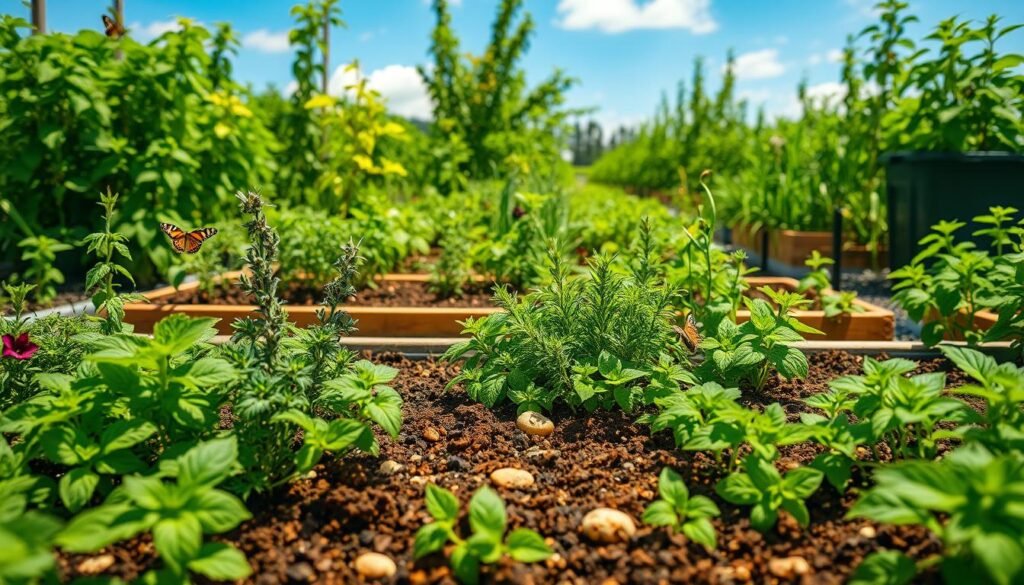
(1001, 555)
(485, 546)
(761, 315)
(179, 332)
(673, 489)
(76, 487)
(442, 504)
(798, 510)
(793, 364)
(126, 433)
(763, 517)
(218, 511)
(221, 562)
(386, 410)
(802, 481)
(204, 374)
(737, 488)
(487, 512)
(429, 539)
(660, 513)
(465, 565)
(178, 540)
(884, 568)
(526, 546)
(701, 531)
(974, 363)
(209, 463)
(701, 507)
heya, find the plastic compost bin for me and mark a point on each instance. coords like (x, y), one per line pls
(925, 187)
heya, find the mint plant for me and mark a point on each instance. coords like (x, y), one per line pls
(753, 350)
(1000, 425)
(970, 499)
(762, 486)
(682, 512)
(486, 545)
(41, 253)
(817, 283)
(177, 513)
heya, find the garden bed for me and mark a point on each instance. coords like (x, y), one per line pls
(384, 311)
(389, 310)
(874, 323)
(314, 529)
(788, 249)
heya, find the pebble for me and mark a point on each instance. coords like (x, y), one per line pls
(456, 463)
(391, 467)
(628, 466)
(431, 435)
(535, 423)
(300, 572)
(789, 567)
(868, 531)
(608, 525)
(96, 565)
(373, 565)
(416, 458)
(509, 477)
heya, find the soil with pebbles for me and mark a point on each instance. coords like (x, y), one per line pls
(313, 530)
(386, 294)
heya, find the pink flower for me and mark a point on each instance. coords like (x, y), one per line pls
(20, 348)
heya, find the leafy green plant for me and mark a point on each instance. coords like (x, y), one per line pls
(970, 499)
(753, 350)
(949, 281)
(486, 545)
(41, 252)
(177, 513)
(107, 245)
(768, 491)
(1000, 425)
(590, 341)
(682, 512)
(817, 282)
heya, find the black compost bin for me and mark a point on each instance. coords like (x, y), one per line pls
(925, 187)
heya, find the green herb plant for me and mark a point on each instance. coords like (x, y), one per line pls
(486, 545)
(682, 512)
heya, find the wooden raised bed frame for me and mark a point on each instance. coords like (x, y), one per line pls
(874, 324)
(792, 247)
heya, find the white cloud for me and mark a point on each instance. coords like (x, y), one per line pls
(400, 85)
(264, 41)
(759, 65)
(615, 16)
(290, 88)
(148, 32)
(834, 55)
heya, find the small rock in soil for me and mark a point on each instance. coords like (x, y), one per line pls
(534, 423)
(456, 463)
(608, 526)
(300, 572)
(373, 565)
(432, 435)
(391, 467)
(96, 565)
(789, 567)
(868, 532)
(508, 477)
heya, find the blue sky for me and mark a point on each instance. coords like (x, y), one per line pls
(623, 52)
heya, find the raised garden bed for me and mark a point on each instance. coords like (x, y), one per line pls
(788, 249)
(380, 312)
(314, 529)
(874, 323)
(376, 310)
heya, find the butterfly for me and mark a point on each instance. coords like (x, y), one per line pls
(187, 242)
(688, 333)
(113, 29)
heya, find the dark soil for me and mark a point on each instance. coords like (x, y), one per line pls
(315, 528)
(63, 298)
(387, 294)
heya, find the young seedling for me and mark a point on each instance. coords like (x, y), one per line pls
(768, 491)
(682, 512)
(486, 545)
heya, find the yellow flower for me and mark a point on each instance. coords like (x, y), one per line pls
(365, 163)
(391, 167)
(320, 101)
(222, 130)
(391, 129)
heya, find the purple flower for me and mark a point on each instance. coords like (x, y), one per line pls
(20, 348)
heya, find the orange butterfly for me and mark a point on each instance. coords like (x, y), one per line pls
(688, 333)
(187, 242)
(113, 29)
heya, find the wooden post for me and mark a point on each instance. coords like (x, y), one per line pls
(38, 17)
(119, 11)
(327, 49)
